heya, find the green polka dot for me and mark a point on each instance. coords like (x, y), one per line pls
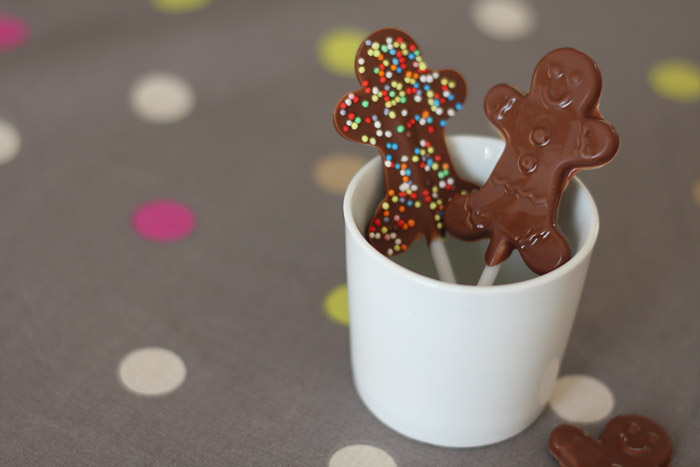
(337, 49)
(179, 6)
(335, 304)
(675, 79)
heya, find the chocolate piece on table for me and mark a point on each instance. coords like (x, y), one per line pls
(402, 110)
(550, 133)
(627, 441)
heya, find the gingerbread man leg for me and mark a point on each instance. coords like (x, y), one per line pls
(545, 250)
(394, 227)
(462, 220)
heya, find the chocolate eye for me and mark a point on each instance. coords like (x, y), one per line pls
(633, 428)
(539, 136)
(554, 71)
(575, 79)
(528, 163)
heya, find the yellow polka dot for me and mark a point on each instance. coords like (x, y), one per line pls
(337, 49)
(179, 6)
(334, 172)
(336, 304)
(696, 191)
(676, 80)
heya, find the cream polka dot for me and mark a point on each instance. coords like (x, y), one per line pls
(675, 79)
(335, 304)
(337, 49)
(696, 191)
(152, 371)
(179, 6)
(504, 20)
(581, 399)
(334, 172)
(361, 455)
(10, 142)
(161, 97)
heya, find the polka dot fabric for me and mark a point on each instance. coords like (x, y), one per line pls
(14, 32)
(163, 220)
(504, 20)
(361, 455)
(152, 371)
(336, 304)
(332, 173)
(173, 279)
(676, 80)
(179, 6)
(581, 399)
(10, 142)
(161, 97)
(337, 48)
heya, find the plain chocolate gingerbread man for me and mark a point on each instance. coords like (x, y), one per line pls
(550, 133)
(627, 441)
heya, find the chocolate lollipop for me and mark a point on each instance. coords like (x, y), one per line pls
(402, 110)
(550, 133)
(627, 440)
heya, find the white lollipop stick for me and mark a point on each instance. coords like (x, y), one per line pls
(488, 275)
(442, 261)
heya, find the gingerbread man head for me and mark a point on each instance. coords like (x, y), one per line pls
(628, 440)
(402, 109)
(556, 129)
(550, 133)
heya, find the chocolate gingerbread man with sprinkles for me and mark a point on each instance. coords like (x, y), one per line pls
(627, 441)
(550, 134)
(402, 110)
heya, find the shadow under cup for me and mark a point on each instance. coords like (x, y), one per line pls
(450, 364)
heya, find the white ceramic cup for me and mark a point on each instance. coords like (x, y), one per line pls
(450, 364)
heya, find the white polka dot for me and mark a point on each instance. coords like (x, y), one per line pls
(504, 20)
(161, 97)
(361, 455)
(581, 398)
(152, 371)
(10, 142)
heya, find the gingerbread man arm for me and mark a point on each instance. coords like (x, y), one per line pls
(456, 90)
(598, 143)
(573, 447)
(499, 104)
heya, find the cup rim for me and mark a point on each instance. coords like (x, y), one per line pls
(357, 236)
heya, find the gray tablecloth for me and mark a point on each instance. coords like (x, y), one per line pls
(226, 281)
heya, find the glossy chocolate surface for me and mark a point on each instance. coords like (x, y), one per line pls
(402, 109)
(627, 441)
(550, 133)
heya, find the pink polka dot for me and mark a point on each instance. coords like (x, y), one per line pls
(13, 32)
(164, 220)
